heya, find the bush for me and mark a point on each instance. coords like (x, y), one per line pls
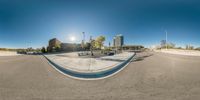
(43, 50)
(198, 48)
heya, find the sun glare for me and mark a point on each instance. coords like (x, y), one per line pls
(72, 38)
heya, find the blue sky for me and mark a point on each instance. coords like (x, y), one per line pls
(31, 23)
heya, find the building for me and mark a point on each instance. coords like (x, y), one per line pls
(70, 47)
(118, 44)
(56, 45)
(114, 41)
(53, 44)
(132, 47)
(118, 41)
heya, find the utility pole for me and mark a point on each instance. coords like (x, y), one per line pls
(83, 41)
(83, 37)
(109, 45)
(91, 45)
(166, 39)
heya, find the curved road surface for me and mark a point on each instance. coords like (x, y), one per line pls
(152, 76)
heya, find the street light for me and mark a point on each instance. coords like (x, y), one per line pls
(166, 39)
(83, 37)
(83, 41)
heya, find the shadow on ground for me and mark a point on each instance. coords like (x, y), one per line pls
(141, 56)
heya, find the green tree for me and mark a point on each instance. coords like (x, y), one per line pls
(99, 41)
(92, 46)
(43, 50)
(189, 47)
(57, 47)
(86, 46)
(197, 48)
(163, 43)
(171, 45)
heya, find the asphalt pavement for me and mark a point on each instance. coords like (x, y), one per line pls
(152, 76)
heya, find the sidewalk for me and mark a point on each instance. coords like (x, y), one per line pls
(8, 53)
(80, 64)
(180, 52)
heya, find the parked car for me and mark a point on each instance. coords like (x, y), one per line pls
(83, 53)
(110, 53)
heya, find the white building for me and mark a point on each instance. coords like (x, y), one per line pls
(118, 41)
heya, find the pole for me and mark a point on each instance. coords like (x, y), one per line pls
(83, 41)
(83, 36)
(91, 45)
(166, 39)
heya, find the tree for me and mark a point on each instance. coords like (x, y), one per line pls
(43, 50)
(92, 46)
(179, 47)
(57, 47)
(197, 48)
(37, 49)
(99, 41)
(86, 46)
(189, 47)
(30, 49)
(171, 45)
(163, 43)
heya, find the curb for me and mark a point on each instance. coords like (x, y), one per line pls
(91, 76)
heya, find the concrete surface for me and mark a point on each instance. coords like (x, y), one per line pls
(8, 53)
(180, 52)
(87, 64)
(150, 77)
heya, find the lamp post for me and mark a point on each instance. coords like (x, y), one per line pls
(91, 45)
(72, 39)
(166, 39)
(83, 41)
(83, 37)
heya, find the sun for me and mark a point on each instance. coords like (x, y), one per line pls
(72, 38)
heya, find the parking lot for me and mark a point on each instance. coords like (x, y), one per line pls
(151, 76)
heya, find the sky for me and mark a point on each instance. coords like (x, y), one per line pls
(31, 23)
